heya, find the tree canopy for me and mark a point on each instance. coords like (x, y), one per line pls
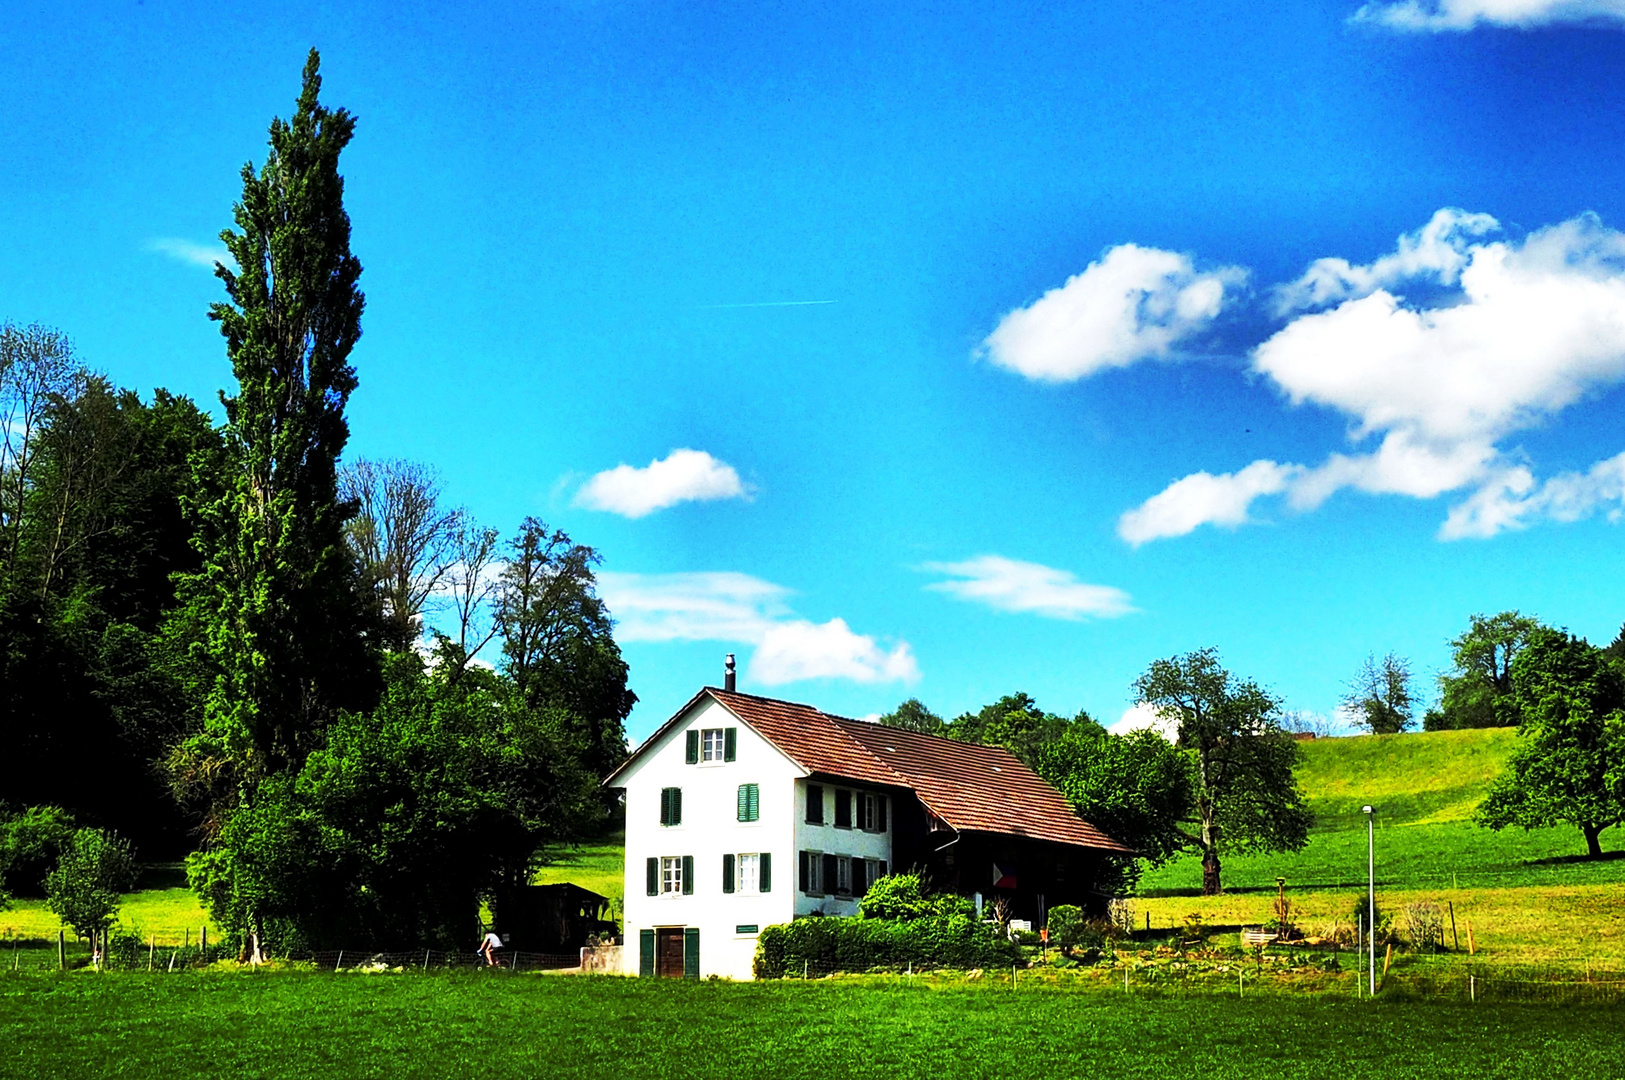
(1380, 696)
(1246, 796)
(1569, 764)
(1477, 691)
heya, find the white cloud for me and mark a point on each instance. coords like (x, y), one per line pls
(190, 251)
(681, 476)
(1529, 329)
(801, 649)
(1203, 499)
(1437, 250)
(734, 607)
(1135, 303)
(1143, 717)
(1011, 585)
(1435, 16)
(715, 606)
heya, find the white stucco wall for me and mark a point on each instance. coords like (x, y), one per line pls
(710, 828)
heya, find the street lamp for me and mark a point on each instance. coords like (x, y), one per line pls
(1371, 879)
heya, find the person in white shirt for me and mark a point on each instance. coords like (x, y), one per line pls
(488, 949)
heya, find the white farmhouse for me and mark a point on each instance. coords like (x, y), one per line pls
(744, 812)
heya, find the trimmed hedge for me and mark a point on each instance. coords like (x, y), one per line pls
(843, 944)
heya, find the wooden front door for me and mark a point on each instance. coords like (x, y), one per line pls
(669, 952)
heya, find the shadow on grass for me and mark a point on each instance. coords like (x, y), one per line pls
(1571, 860)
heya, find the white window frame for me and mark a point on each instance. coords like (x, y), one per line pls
(843, 875)
(815, 874)
(713, 744)
(671, 875)
(869, 811)
(748, 872)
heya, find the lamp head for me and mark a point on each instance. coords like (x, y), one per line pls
(1368, 809)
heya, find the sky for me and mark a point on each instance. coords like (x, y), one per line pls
(937, 352)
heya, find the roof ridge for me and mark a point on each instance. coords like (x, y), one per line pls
(836, 723)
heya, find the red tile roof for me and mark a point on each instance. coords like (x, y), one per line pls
(970, 787)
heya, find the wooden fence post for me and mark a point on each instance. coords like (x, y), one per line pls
(1472, 946)
(1454, 940)
(61, 951)
(152, 945)
(203, 943)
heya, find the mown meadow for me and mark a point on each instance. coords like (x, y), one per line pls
(497, 1025)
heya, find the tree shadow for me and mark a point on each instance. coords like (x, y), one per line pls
(1573, 860)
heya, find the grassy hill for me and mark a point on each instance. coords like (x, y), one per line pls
(1425, 787)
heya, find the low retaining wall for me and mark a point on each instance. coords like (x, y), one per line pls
(604, 959)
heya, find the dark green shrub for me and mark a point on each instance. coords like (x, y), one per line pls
(1066, 927)
(907, 896)
(833, 944)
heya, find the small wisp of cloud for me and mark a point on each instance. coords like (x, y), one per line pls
(681, 476)
(192, 252)
(1029, 588)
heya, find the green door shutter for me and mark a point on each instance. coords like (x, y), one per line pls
(691, 953)
(727, 873)
(692, 752)
(653, 868)
(646, 953)
(688, 875)
(764, 875)
(730, 743)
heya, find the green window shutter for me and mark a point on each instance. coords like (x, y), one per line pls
(665, 806)
(727, 873)
(859, 886)
(815, 804)
(755, 802)
(828, 884)
(744, 803)
(692, 753)
(688, 875)
(646, 953)
(806, 871)
(653, 868)
(843, 809)
(676, 806)
(764, 874)
(691, 953)
(881, 869)
(730, 743)
(880, 812)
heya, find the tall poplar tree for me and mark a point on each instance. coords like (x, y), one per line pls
(285, 622)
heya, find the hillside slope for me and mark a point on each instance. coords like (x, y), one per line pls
(1425, 787)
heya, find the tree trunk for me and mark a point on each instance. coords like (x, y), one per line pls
(1593, 845)
(1210, 872)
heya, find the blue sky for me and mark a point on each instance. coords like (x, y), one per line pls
(1080, 388)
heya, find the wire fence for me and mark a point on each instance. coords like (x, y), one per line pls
(181, 950)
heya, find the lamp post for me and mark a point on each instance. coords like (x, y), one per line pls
(1371, 879)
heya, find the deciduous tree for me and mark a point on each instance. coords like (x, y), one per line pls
(1569, 764)
(1477, 691)
(1380, 696)
(912, 715)
(1246, 796)
(403, 538)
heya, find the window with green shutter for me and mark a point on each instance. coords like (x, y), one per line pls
(764, 876)
(653, 865)
(727, 873)
(688, 875)
(750, 802)
(671, 806)
(691, 753)
(730, 744)
(815, 804)
(843, 809)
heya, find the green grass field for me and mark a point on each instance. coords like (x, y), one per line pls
(1425, 787)
(302, 1024)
